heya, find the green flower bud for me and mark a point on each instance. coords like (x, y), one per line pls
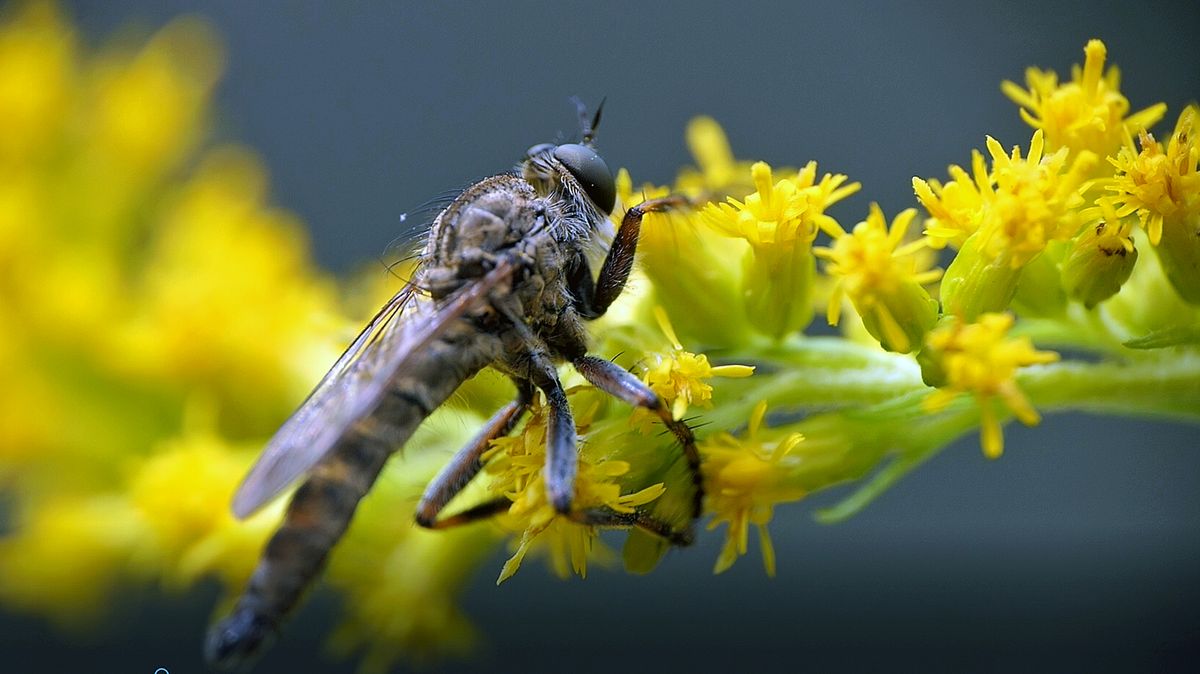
(900, 319)
(1098, 263)
(976, 283)
(1040, 290)
(778, 288)
(1179, 253)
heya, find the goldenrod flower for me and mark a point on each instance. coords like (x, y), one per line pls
(518, 475)
(955, 208)
(182, 494)
(37, 73)
(779, 221)
(1101, 258)
(680, 377)
(1027, 203)
(979, 358)
(744, 479)
(1086, 114)
(720, 174)
(1162, 185)
(67, 554)
(1159, 182)
(696, 273)
(878, 271)
(1033, 200)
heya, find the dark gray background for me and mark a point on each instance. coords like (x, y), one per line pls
(1078, 550)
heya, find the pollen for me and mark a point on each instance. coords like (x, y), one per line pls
(979, 358)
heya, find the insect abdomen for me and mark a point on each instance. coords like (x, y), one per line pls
(322, 507)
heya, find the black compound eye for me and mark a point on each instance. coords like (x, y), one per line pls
(591, 172)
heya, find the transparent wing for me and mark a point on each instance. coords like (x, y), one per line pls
(304, 438)
(353, 388)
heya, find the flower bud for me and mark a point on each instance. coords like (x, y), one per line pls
(1179, 253)
(1098, 263)
(976, 283)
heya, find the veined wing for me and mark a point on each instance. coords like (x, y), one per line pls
(352, 389)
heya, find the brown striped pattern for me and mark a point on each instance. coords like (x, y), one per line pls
(322, 507)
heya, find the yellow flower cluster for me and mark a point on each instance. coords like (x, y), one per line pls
(161, 317)
(518, 473)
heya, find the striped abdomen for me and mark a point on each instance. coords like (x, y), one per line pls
(321, 509)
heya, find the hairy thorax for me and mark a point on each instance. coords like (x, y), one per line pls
(502, 217)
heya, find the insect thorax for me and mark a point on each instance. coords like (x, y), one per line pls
(541, 235)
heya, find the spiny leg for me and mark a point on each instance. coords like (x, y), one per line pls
(615, 381)
(466, 463)
(596, 517)
(604, 517)
(619, 261)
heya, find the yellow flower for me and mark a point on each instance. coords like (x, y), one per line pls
(720, 174)
(1159, 182)
(1101, 258)
(149, 112)
(1027, 203)
(744, 479)
(955, 208)
(182, 493)
(780, 213)
(518, 475)
(879, 272)
(36, 81)
(779, 221)
(229, 288)
(978, 358)
(67, 555)
(1086, 114)
(1034, 200)
(680, 377)
(1162, 186)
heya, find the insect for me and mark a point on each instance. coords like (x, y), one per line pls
(504, 282)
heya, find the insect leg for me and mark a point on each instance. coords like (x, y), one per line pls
(619, 261)
(466, 464)
(561, 459)
(615, 381)
(475, 513)
(603, 517)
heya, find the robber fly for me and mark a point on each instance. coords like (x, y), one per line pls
(503, 282)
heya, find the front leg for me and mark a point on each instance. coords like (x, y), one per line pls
(619, 261)
(615, 381)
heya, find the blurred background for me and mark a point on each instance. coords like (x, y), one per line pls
(1079, 549)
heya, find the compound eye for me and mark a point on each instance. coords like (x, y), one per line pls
(591, 172)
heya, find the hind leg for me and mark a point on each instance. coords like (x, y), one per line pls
(466, 463)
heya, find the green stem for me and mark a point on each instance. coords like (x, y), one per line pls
(848, 444)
